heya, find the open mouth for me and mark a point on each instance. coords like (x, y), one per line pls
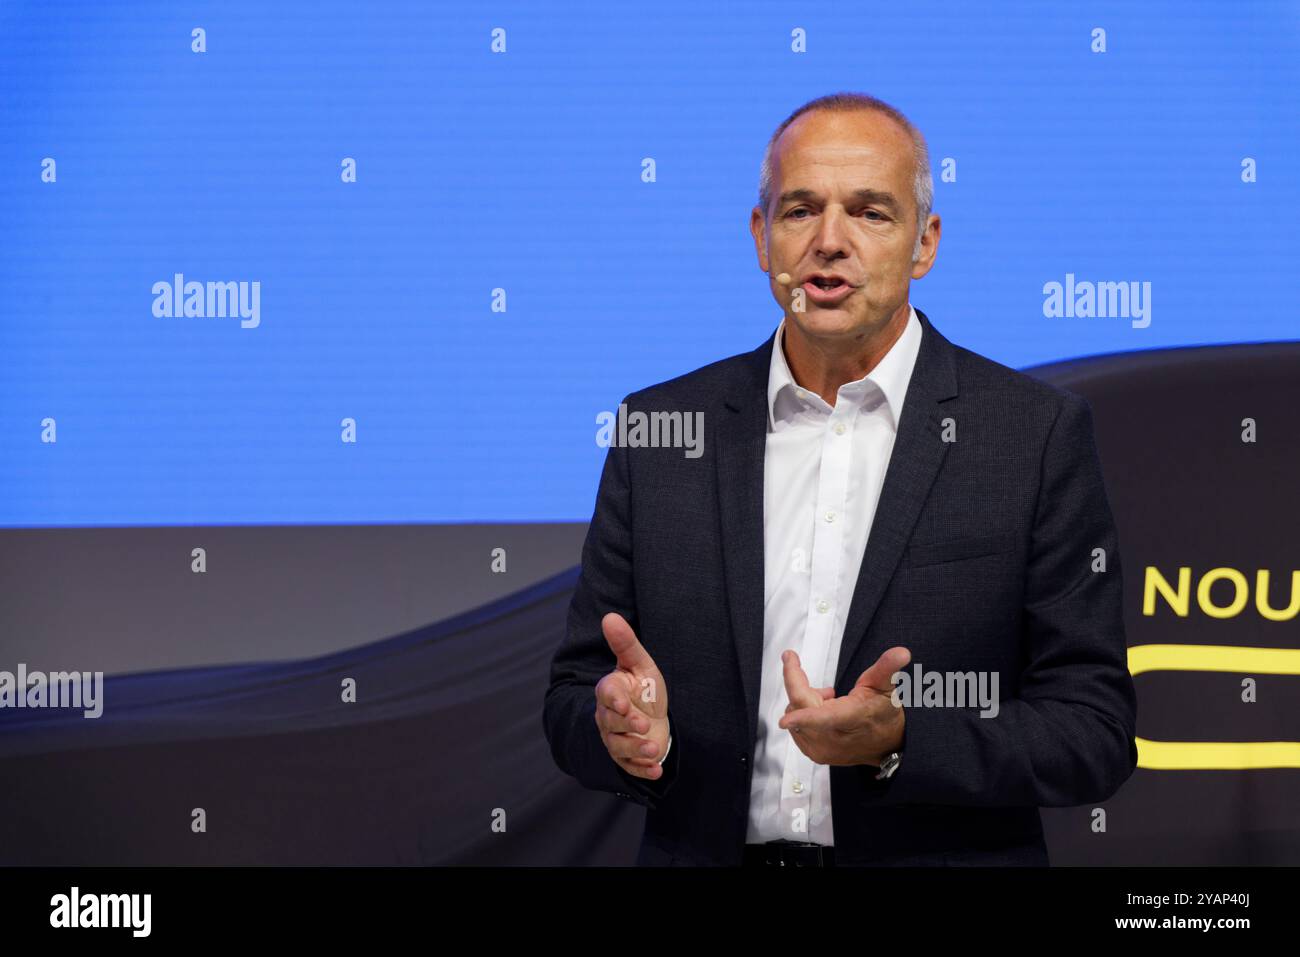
(826, 291)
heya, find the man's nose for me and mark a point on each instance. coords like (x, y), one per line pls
(832, 232)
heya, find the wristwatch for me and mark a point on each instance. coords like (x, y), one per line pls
(889, 766)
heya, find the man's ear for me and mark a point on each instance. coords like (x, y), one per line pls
(758, 229)
(929, 247)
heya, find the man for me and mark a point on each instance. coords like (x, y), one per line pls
(870, 497)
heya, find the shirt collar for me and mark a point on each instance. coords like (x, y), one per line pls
(891, 375)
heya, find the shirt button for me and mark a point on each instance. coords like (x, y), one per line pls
(830, 516)
(839, 428)
(823, 605)
(797, 787)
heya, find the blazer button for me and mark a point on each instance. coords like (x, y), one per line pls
(744, 759)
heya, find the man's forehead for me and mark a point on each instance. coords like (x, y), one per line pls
(837, 154)
(882, 163)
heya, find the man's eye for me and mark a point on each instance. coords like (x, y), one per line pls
(794, 214)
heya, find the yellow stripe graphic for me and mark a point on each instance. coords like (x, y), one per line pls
(1215, 755)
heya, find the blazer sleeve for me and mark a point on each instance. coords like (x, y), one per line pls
(1068, 738)
(605, 584)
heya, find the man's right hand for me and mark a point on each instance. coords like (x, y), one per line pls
(632, 703)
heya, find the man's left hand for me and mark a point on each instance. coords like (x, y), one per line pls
(861, 727)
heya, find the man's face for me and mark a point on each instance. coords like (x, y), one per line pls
(843, 204)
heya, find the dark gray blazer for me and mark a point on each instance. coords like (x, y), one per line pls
(980, 558)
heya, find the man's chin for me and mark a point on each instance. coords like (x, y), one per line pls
(831, 324)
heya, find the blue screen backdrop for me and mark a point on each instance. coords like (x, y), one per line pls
(522, 170)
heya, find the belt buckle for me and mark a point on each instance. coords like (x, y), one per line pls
(817, 857)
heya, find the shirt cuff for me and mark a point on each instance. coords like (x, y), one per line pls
(667, 749)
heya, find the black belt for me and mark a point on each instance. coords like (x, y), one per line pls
(789, 854)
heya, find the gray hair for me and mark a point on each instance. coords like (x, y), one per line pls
(922, 183)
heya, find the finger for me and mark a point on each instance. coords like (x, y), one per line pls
(812, 720)
(879, 677)
(614, 691)
(631, 747)
(651, 773)
(610, 720)
(797, 688)
(622, 640)
(637, 762)
(835, 714)
(826, 693)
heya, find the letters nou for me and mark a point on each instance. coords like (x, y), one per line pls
(1178, 597)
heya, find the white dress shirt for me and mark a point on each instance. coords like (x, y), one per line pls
(823, 470)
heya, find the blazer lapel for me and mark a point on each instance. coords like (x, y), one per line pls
(913, 464)
(741, 442)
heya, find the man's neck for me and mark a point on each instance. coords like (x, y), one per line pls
(823, 365)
